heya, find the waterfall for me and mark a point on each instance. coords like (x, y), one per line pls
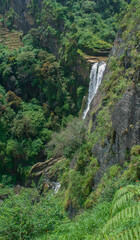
(56, 187)
(96, 76)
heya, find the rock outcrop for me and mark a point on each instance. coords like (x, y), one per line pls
(41, 171)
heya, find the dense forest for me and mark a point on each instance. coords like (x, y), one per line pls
(62, 177)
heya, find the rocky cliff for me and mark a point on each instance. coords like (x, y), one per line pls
(120, 96)
(24, 12)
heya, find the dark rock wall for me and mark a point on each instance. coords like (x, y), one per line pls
(126, 133)
(125, 118)
(26, 20)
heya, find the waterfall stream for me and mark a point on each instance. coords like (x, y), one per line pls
(56, 187)
(96, 76)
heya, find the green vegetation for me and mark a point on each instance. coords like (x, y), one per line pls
(68, 140)
(26, 215)
(29, 216)
(60, 24)
(41, 93)
(125, 210)
(64, 21)
(39, 99)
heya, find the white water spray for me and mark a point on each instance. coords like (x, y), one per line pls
(96, 76)
(56, 187)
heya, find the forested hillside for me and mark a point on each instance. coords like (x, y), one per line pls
(39, 83)
(62, 177)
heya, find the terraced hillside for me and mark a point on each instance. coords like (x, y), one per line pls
(10, 39)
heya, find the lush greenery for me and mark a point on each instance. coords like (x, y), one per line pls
(41, 94)
(26, 215)
(47, 100)
(29, 216)
(60, 24)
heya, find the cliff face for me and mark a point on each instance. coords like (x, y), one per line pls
(120, 96)
(126, 133)
(25, 19)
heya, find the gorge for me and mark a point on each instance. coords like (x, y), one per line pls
(69, 168)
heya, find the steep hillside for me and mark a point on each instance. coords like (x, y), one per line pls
(58, 27)
(59, 24)
(112, 122)
(119, 104)
(80, 178)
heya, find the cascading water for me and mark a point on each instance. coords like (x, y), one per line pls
(56, 187)
(96, 76)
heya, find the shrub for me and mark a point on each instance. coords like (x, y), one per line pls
(25, 215)
(69, 139)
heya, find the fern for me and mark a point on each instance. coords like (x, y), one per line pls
(130, 188)
(124, 195)
(122, 217)
(129, 234)
(122, 201)
(119, 227)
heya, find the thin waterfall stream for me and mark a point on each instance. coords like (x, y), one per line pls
(96, 76)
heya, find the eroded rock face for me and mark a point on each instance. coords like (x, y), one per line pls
(116, 49)
(126, 118)
(41, 170)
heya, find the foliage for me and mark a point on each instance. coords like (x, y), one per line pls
(126, 210)
(93, 223)
(10, 18)
(25, 215)
(28, 216)
(124, 196)
(135, 150)
(131, 234)
(39, 93)
(23, 134)
(68, 140)
(63, 22)
(34, 73)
